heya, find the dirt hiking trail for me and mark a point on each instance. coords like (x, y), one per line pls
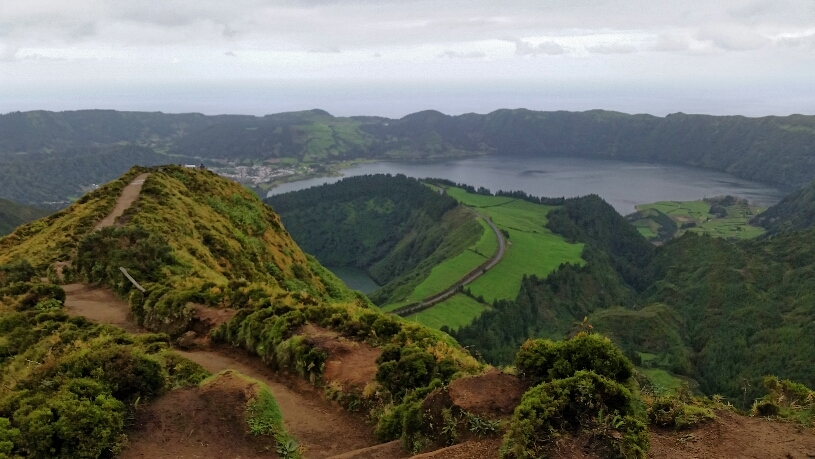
(99, 305)
(129, 195)
(324, 429)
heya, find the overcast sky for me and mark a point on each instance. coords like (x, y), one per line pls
(391, 58)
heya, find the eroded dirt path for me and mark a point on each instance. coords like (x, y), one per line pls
(129, 195)
(324, 429)
(99, 305)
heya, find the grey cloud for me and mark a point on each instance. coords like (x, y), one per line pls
(733, 38)
(806, 41)
(230, 54)
(523, 48)
(671, 42)
(461, 55)
(331, 50)
(8, 53)
(613, 48)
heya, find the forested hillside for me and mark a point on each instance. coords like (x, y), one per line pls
(614, 253)
(775, 150)
(795, 212)
(722, 313)
(52, 180)
(13, 215)
(395, 228)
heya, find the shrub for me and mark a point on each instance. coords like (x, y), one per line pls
(786, 399)
(126, 372)
(401, 369)
(585, 401)
(543, 360)
(33, 294)
(65, 425)
(673, 412)
(18, 271)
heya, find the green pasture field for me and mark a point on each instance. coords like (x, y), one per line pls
(734, 225)
(526, 254)
(662, 379)
(728, 227)
(450, 271)
(458, 311)
(531, 248)
(447, 273)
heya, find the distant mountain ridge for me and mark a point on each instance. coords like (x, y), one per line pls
(772, 149)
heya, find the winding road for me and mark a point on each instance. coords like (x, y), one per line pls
(437, 298)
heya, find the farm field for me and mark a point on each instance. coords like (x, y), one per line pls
(455, 312)
(448, 272)
(695, 217)
(532, 249)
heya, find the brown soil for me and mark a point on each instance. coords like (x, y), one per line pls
(737, 437)
(350, 363)
(129, 195)
(493, 395)
(391, 450)
(99, 304)
(474, 449)
(207, 318)
(322, 428)
(206, 422)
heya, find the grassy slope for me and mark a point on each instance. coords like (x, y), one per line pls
(13, 215)
(532, 250)
(453, 269)
(794, 212)
(56, 237)
(218, 230)
(456, 312)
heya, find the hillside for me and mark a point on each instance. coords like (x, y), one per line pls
(770, 149)
(13, 215)
(795, 212)
(681, 309)
(323, 373)
(394, 228)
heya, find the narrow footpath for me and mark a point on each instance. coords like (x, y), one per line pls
(129, 195)
(323, 429)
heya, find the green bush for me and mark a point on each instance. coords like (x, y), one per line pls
(142, 253)
(403, 368)
(66, 425)
(543, 360)
(125, 372)
(787, 400)
(18, 271)
(583, 402)
(673, 412)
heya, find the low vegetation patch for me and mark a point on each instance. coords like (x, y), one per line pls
(581, 391)
(69, 386)
(786, 400)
